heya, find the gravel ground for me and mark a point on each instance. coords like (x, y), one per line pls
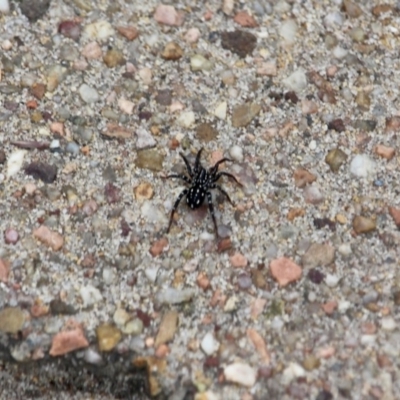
(298, 295)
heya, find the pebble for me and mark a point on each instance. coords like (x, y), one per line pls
(172, 51)
(11, 236)
(4, 6)
(366, 125)
(128, 32)
(395, 214)
(209, 344)
(15, 162)
(318, 255)
(186, 119)
(239, 42)
(332, 280)
(227, 6)
(345, 249)
(55, 74)
(388, 324)
(297, 81)
(362, 166)
(115, 131)
(67, 341)
(392, 124)
(126, 106)
(335, 159)
(113, 58)
(108, 336)
(158, 247)
(291, 372)
(167, 15)
(192, 35)
(240, 373)
(220, 110)
(167, 328)
(48, 237)
(108, 276)
(288, 31)
(88, 94)
(312, 194)
(144, 139)
(90, 295)
(206, 132)
(352, 9)
(384, 151)
(149, 159)
(243, 114)
(244, 19)
(236, 153)
(92, 356)
(12, 319)
(200, 63)
(363, 224)
(268, 68)
(285, 271)
(92, 51)
(4, 270)
(99, 30)
(238, 260)
(70, 29)
(72, 148)
(337, 125)
(175, 296)
(144, 191)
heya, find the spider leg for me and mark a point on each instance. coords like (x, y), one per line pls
(183, 193)
(217, 176)
(211, 208)
(183, 177)
(189, 168)
(197, 163)
(214, 186)
(214, 169)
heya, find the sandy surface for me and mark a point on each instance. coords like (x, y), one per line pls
(298, 297)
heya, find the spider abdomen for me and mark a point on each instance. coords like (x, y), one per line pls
(196, 196)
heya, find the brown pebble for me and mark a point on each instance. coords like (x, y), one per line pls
(43, 171)
(395, 214)
(295, 213)
(302, 177)
(392, 124)
(115, 131)
(205, 132)
(380, 9)
(202, 281)
(48, 237)
(67, 341)
(144, 191)
(285, 271)
(329, 307)
(4, 270)
(172, 51)
(384, 151)
(259, 343)
(335, 159)
(162, 351)
(243, 114)
(243, 18)
(167, 329)
(158, 247)
(224, 245)
(352, 9)
(363, 224)
(337, 125)
(240, 42)
(129, 32)
(38, 90)
(113, 58)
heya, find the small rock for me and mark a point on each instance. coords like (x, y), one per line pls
(209, 344)
(174, 296)
(291, 372)
(200, 63)
(164, 97)
(133, 327)
(259, 344)
(388, 324)
(392, 124)
(88, 94)
(302, 177)
(335, 159)
(11, 236)
(113, 58)
(363, 224)
(50, 238)
(108, 336)
(242, 115)
(236, 152)
(67, 341)
(144, 139)
(220, 110)
(238, 260)
(129, 32)
(311, 362)
(60, 307)
(126, 106)
(362, 166)
(297, 81)
(4, 270)
(192, 35)
(12, 319)
(395, 214)
(149, 159)
(70, 29)
(312, 194)
(100, 30)
(227, 6)
(90, 295)
(352, 9)
(4, 7)
(158, 247)
(144, 191)
(285, 271)
(206, 132)
(186, 119)
(241, 374)
(366, 125)
(34, 10)
(318, 255)
(239, 42)
(267, 69)
(363, 100)
(337, 125)
(167, 15)
(385, 151)
(309, 107)
(172, 51)
(243, 18)
(380, 9)
(115, 131)
(15, 162)
(288, 31)
(167, 329)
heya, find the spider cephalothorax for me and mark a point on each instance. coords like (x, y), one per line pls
(200, 181)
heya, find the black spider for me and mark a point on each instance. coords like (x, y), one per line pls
(201, 181)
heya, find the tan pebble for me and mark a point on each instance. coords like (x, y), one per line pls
(341, 219)
(115, 131)
(149, 342)
(172, 51)
(158, 247)
(162, 351)
(243, 18)
(385, 151)
(39, 309)
(57, 127)
(267, 69)
(92, 51)
(331, 70)
(227, 6)
(6, 44)
(238, 260)
(50, 238)
(129, 32)
(203, 281)
(167, 15)
(285, 271)
(30, 188)
(193, 345)
(326, 352)
(392, 124)
(113, 58)
(257, 307)
(167, 329)
(295, 213)
(192, 35)
(38, 90)
(302, 177)
(144, 191)
(126, 106)
(176, 106)
(4, 270)
(329, 307)
(395, 214)
(309, 107)
(108, 336)
(311, 362)
(259, 344)
(363, 224)
(381, 9)
(67, 341)
(146, 75)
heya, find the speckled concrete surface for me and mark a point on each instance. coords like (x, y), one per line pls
(298, 297)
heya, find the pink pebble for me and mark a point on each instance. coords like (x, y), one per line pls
(11, 236)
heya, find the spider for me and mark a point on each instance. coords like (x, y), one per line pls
(201, 181)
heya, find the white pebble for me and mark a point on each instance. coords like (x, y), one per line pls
(108, 275)
(90, 295)
(236, 153)
(312, 145)
(297, 81)
(186, 119)
(88, 94)
(343, 306)
(293, 371)
(192, 35)
(241, 374)
(92, 356)
(277, 323)
(209, 344)
(231, 304)
(362, 166)
(339, 52)
(206, 236)
(388, 323)
(220, 110)
(100, 30)
(288, 31)
(345, 249)
(200, 63)
(121, 316)
(174, 296)
(151, 273)
(334, 18)
(331, 280)
(4, 6)
(15, 162)
(144, 139)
